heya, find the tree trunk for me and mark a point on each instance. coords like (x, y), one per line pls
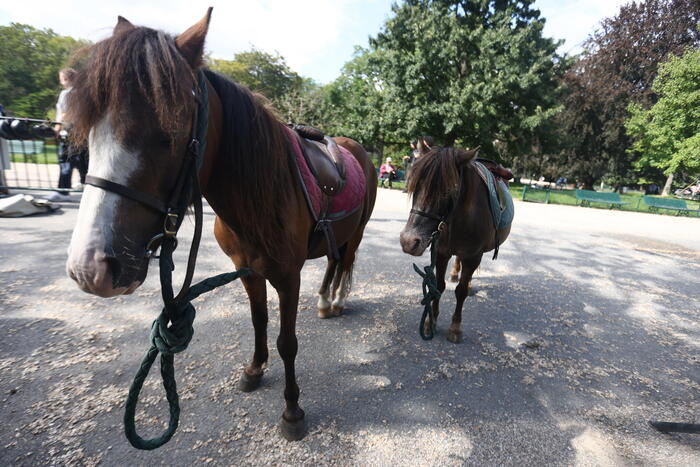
(667, 186)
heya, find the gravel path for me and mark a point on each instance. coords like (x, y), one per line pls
(585, 328)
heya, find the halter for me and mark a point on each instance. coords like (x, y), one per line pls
(186, 188)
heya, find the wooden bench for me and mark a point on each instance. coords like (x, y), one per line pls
(672, 204)
(586, 197)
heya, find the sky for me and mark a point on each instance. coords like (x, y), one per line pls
(316, 37)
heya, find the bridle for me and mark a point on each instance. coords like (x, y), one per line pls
(185, 191)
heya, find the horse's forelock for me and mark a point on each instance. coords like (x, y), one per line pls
(124, 73)
(435, 177)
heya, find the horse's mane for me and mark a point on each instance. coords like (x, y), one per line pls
(435, 177)
(255, 152)
(137, 69)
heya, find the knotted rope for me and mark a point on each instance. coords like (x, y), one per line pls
(169, 340)
(431, 293)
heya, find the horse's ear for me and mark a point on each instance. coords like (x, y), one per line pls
(470, 155)
(123, 25)
(191, 42)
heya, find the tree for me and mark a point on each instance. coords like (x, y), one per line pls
(667, 135)
(477, 71)
(356, 102)
(618, 66)
(30, 59)
(260, 71)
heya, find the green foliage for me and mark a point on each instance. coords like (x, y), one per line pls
(261, 72)
(667, 135)
(478, 71)
(356, 103)
(30, 59)
(618, 66)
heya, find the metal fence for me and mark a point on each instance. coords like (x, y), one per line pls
(29, 155)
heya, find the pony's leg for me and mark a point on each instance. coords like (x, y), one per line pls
(469, 265)
(257, 295)
(292, 424)
(324, 294)
(456, 266)
(342, 282)
(440, 269)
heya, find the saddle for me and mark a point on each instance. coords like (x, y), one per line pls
(497, 170)
(323, 158)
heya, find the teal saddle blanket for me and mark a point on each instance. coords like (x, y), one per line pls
(500, 200)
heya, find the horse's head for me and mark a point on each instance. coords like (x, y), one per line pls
(434, 185)
(133, 105)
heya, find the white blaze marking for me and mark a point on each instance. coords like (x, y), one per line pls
(111, 161)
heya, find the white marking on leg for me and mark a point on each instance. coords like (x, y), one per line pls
(343, 290)
(323, 302)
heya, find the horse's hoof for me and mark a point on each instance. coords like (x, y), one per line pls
(454, 278)
(337, 310)
(249, 383)
(293, 431)
(454, 336)
(324, 313)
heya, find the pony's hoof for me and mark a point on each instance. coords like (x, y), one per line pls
(293, 431)
(454, 278)
(249, 383)
(454, 336)
(337, 310)
(324, 313)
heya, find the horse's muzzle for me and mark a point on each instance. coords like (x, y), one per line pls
(99, 274)
(412, 243)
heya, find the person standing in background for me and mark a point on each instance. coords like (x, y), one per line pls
(410, 159)
(4, 160)
(69, 158)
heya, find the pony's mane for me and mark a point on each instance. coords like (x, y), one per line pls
(435, 177)
(139, 69)
(255, 152)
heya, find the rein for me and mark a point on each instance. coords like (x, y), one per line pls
(431, 293)
(172, 330)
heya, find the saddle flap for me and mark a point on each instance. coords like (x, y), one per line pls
(326, 164)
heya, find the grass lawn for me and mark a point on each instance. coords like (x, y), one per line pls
(47, 156)
(634, 200)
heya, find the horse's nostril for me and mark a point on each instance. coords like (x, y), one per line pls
(114, 267)
(416, 243)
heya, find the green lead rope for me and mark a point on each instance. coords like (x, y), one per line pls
(430, 289)
(169, 340)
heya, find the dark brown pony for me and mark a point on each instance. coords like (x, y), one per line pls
(444, 184)
(133, 104)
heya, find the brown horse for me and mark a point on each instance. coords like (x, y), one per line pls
(133, 104)
(446, 187)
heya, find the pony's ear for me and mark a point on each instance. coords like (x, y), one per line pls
(123, 25)
(191, 42)
(469, 155)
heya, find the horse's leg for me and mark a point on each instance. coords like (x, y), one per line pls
(292, 424)
(454, 275)
(257, 295)
(343, 280)
(324, 294)
(440, 269)
(469, 265)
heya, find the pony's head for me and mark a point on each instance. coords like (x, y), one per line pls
(434, 186)
(132, 104)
